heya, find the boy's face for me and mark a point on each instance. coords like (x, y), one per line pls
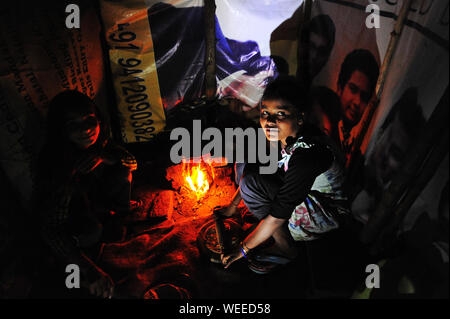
(82, 129)
(279, 120)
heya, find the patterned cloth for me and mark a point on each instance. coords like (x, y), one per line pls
(326, 200)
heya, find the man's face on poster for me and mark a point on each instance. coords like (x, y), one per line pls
(313, 54)
(390, 151)
(354, 96)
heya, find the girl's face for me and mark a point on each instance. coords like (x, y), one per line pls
(82, 129)
(279, 120)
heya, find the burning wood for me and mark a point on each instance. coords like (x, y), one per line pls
(197, 181)
(200, 186)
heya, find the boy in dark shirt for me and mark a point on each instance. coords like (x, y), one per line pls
(305, 194)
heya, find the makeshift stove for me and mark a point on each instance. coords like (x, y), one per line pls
(200, 187)
(217, 237)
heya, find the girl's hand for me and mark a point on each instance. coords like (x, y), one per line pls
(102, 287)
(130, 162)
(63, 201)
(126, 160)
(88, 164)
(227, 260)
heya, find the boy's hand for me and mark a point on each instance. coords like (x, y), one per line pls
(227, 260)
(226, 211)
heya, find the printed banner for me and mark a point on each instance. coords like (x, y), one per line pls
(343, 62)
(243, 60)
(417, 79)
(40, 57)
(134, 70)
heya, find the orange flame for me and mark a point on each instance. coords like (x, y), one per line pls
(197, 181)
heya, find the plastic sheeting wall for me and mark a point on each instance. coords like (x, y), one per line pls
(256, 41)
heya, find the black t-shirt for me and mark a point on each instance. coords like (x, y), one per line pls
(304, 166)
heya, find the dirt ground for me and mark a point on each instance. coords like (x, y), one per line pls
(162, 249)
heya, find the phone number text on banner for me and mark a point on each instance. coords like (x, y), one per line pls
(134, 73)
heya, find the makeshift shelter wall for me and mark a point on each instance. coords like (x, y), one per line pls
(40, 57)
(72, 58)
(420, 64)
